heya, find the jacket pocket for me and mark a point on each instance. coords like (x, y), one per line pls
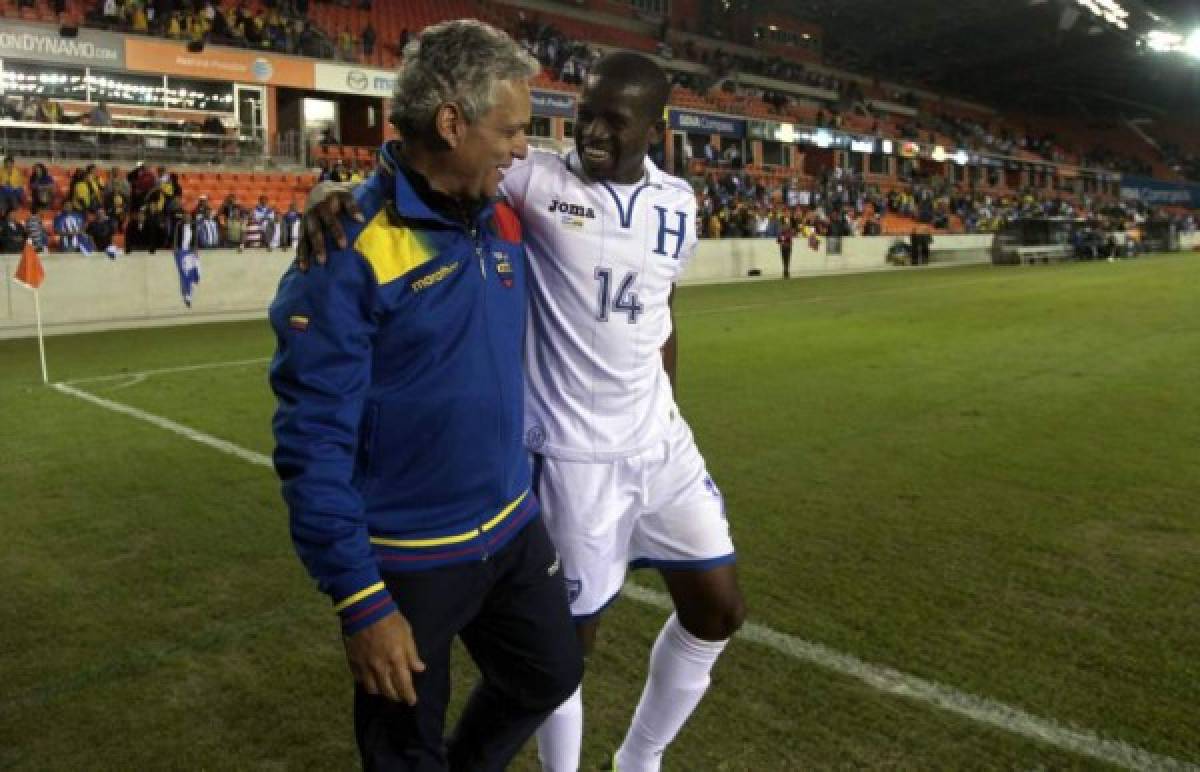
(368, 443)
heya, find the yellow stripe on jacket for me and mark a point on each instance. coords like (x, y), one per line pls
(457, 538)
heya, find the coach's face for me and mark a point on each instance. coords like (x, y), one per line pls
(481, 149)
(613, 129)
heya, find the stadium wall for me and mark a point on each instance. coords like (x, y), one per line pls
(93, 293)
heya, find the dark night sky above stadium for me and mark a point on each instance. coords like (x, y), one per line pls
(1013, 53)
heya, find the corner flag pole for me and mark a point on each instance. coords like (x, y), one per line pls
(37, 311)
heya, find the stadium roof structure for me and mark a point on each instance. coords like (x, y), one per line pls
(1049, 56)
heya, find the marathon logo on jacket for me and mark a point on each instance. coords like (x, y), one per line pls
(430, 279)
(572, 214)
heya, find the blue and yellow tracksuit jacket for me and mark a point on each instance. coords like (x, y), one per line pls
(399, 383)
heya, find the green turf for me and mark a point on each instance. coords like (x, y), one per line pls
(984, 477)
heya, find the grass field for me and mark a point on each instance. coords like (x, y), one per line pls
(985, 479)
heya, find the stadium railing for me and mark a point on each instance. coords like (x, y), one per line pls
(55, 141)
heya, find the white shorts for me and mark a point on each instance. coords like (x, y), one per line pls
(658, 508)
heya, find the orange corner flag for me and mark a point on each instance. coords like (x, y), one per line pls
(30, 271)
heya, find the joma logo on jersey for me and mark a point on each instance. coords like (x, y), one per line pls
(575, 210)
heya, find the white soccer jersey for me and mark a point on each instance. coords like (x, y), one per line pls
(603, 258)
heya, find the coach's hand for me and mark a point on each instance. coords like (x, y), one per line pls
(325, 202)
(383, 658)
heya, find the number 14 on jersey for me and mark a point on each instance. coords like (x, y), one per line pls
(624, 301)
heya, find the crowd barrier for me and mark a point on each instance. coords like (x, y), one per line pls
(94, 293)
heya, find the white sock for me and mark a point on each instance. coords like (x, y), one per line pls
(679, 667)
(560, 737)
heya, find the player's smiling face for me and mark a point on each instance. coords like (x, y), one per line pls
(613, 129)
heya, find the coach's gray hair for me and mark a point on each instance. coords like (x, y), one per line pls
(456, 61)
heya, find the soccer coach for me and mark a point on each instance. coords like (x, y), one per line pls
(398, 373)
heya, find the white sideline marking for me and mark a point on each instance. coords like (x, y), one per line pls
(166, 423)
(143, 374)
(979, 709)
(885, 679)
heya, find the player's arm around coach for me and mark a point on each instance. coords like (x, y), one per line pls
(399, 426)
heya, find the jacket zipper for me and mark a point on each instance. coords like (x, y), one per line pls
(479, 252)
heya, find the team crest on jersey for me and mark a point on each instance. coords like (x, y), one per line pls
(573, 215)
(535, 438)
(711, 486)
(574, 589)
(504, 268)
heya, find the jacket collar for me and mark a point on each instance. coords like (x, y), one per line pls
(415, 199)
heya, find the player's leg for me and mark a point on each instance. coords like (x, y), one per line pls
(585, 510)
(687, 539)
(523, 641)
(437, 603)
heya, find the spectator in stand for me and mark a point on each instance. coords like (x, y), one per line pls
(139, 20)
(86, 191)
(101, 230)
(208, 231)
(346, 45)
(291, 227)
(172, 188)
(117, 207)
(235, 228)
(228, 207)
(48, 111)
(35, 231)
(271, 235)
(141, 181)
(68, 226)
(255, 29)
(100, 116)
(279, 33)
(368, 40)
(197, 28)
(12, 234)
(12, 186)
(175, 26)
(261, 209)
(118, 184)
(143, 234)
(234, 26)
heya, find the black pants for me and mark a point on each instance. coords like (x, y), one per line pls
(785, 253)
(511, 613)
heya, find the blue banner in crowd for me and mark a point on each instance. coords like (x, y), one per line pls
(554, 103)
(703, 123)
(1159, 192)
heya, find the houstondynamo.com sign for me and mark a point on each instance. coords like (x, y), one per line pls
(42, 43)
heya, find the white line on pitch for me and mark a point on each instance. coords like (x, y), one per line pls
(979, 709)
(885, 679)
(143, 374)
(166, 423)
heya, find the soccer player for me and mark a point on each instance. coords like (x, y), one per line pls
(615, 466)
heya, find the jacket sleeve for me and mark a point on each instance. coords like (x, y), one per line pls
(325, 324)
